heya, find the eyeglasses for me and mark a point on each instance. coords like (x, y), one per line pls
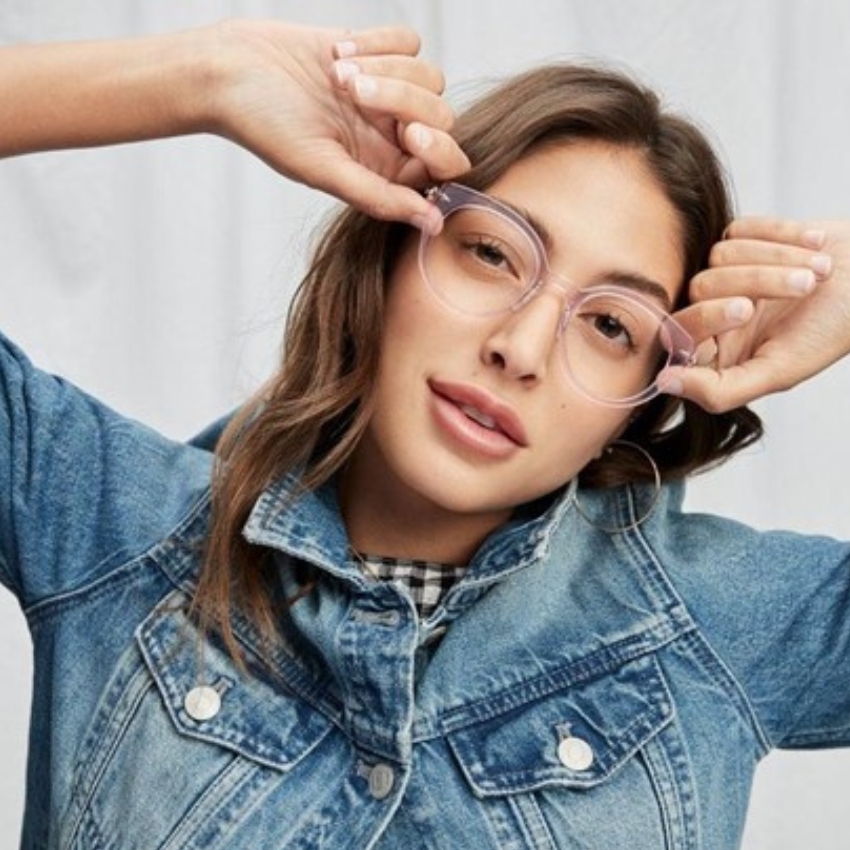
(488, 260)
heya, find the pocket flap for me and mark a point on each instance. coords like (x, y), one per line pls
(607, 719)
(254, 715)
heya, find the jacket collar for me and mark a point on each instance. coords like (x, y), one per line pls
(309, 526)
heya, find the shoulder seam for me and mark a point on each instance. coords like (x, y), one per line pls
(120, 573)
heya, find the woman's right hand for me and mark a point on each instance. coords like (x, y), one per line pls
(357, 115)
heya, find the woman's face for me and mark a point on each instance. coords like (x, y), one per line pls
(475, 416)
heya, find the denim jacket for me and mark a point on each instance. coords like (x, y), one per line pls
(576, 689)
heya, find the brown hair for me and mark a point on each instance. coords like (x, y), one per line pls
(309, 417)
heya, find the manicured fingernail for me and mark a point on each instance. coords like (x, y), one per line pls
(738, 309)
(671, 386)
(801, 280)
(821, 264)
(814, 239)
(344, 71)
(422, 136)
(365, 86)
(430, 223)
(344, 49)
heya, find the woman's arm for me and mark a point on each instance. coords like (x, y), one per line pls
(98, 93)
(358, 115)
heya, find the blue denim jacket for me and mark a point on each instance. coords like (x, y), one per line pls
(587, 690)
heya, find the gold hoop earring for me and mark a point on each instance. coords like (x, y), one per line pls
(656, 474)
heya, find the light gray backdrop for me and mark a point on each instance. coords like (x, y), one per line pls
(156, 275)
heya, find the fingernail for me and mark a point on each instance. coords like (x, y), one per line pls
(365, 86)
(344, 71)
(671, 386)
(821, 264)
(814, 239)
(344, 49)
(430, 223)
(801, 280)
(422, 136)
(738, 309)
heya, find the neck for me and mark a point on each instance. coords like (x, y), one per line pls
(384, 519)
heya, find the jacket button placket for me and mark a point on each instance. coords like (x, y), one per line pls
(376, 652)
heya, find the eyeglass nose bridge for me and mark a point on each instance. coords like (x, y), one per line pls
(545, 279)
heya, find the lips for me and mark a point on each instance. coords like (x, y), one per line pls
(482, 408)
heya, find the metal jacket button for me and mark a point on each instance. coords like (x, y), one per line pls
(381, 781)
(575, 753)
(202, 703)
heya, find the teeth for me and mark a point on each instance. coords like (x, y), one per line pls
(479, 417)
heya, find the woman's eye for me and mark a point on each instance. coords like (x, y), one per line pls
(490, 254)
(611, 328)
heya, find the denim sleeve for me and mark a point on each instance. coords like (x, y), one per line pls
(82, 489)
(775, 607)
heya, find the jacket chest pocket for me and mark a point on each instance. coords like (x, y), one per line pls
(598, 764)
(184, 747)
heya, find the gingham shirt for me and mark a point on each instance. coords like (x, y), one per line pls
(426, 581)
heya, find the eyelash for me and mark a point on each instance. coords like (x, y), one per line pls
(621, 329)
(482, 246)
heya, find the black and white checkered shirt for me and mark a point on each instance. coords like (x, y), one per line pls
(426, 581)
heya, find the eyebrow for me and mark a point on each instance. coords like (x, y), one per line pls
(640, 283)
(627, 279)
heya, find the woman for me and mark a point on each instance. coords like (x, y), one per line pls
(413, 612)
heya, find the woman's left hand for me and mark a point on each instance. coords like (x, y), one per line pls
(772, 310)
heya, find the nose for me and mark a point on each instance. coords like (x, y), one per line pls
(522, 343)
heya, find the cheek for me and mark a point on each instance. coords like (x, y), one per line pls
(407, 311)
(419, 328)
(410, 334)
(413, 346)
(407, 316)
(580, 431)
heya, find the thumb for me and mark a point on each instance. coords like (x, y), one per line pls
(719, 390)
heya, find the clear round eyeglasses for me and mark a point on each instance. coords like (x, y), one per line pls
(489, 260)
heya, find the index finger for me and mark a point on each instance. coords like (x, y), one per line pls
(785, 231)
(378, 40)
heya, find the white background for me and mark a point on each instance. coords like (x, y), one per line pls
(156, 275)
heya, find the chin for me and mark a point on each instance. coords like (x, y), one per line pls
(471, 492)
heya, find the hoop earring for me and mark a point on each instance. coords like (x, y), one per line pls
(640, 520)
